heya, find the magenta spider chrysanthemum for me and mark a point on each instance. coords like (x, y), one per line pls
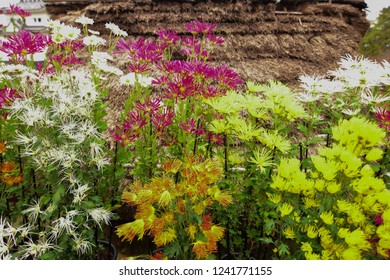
(149, 106)
(167, 36)
(23, 43)
(16, 10)
(162, 119)
(382, 116)
(197, 27)
(7, 95)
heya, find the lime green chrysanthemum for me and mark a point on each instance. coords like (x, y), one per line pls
(262, 158)
(230, 103)
(374, 154)
(219, 126)
(286, 209)
(253, 87)
(358, 135)
(327, 217)
(273, 140)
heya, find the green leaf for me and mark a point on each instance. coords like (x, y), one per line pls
(58, 195)
(283, 249)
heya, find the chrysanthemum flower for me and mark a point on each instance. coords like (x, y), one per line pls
(286, 209)
(163, 238)
(196, 27)
(84, 20)
(24, 43)
(201, 249)
(16, 10)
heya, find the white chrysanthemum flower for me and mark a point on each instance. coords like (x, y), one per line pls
(84, 20)
(4, 249)
(128, 79)
(93, 40)
(116, 30)
(54, 24)
(24, 140)
(109, 69)
(100, 57)
(62, 224)
(351, 112)
(80, 193)
(69, 32)
(100, 162)
(33, 211)
(31, 249)
(83, 246)
(33, 115)
(308, 97)
(145, 81)
(369, 98)
(100, 215)
(131, 78)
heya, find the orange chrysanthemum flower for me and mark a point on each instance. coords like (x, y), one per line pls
(201, 249)
(129, 230)
(3, 147)
(191, 230)
(163, 238)
(7, 167)
(215, 233)
(206, 222)
(158, 256)
(172, 166)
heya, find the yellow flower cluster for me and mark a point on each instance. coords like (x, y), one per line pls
(164, 207)
(346, 207)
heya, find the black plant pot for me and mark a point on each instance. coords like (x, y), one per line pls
(106, 251)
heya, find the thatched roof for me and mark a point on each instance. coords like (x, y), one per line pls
(260, 43)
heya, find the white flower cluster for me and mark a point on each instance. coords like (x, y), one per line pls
(100, 60)
(69, 101)
(132, 78)
(116, 30)
(61, 32)
(356, 84)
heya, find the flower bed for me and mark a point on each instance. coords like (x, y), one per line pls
(216, 166)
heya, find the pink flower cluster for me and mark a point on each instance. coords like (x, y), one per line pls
(150, 111)
(7, 95)
(17, 11)
(383, 118)
(23, 43)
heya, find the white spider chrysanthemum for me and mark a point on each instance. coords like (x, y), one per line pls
(80, 193)
(100, 57)
(33, 211)
(369, 98)
(35, 250)
(351, 112)
(84, 20)
(93, 40)
(33, 115)
(100, 215)
(83, 246)
(116, 30)
(100, 162)
(24, 140)
(62, 224)
(308, 97)
(4, 249)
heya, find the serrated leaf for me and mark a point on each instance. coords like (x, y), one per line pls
(58, 195)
